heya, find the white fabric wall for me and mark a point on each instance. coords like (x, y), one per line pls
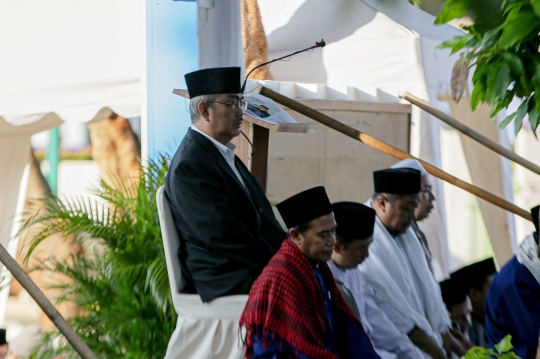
(12, 166)
(220, 34)
(366, 48)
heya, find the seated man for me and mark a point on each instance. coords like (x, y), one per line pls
(295, 309)
(424, 208)
(227, 229)
(398, 271)
(476, 279)
(459, 309)
(354, 235)
(513, 301)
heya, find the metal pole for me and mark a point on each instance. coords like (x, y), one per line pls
(76, 342)
(391, 150)
(467, 131)
(53, 157)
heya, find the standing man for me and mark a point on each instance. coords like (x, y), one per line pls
(354, 234)
(295, 309)
(476, 279)
(398, 270)
(513, 301)
(227, 229)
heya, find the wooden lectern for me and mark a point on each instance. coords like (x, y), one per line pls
(260, 141)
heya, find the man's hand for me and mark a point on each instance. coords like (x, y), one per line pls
(450, 345)
(426, 343)
(460, 337)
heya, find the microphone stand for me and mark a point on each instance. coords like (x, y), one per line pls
(317, 44)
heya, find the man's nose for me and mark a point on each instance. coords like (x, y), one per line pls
(333, 239)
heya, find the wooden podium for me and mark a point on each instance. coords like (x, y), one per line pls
(260, 142)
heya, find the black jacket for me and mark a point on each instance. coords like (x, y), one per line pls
(227, 233)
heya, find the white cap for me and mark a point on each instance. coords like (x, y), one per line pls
(410, 163)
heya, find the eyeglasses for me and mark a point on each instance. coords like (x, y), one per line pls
(426, 193)
(235, 105)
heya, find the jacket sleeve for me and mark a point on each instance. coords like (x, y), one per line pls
(205, 208)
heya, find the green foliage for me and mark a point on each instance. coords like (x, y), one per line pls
(503, 350)
(121, 284)
(505, 56)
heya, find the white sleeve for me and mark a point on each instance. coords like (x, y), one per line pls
(384, 334)
(389, 300)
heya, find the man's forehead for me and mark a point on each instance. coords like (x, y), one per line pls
(325, 223)
(409, 198)
(425, 181)
(231, 96)
(363, 242)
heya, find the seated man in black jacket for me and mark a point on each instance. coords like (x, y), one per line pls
(228, 231)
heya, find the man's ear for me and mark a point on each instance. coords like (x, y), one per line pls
(203, 110)
(338, 247)
(294, 235)
(381, 203)
(474, 294)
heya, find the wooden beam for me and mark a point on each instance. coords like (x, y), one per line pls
(392, 151)
(469, 132)
(74, 339)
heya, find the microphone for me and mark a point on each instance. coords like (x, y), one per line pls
(320, 43)
(317, 44)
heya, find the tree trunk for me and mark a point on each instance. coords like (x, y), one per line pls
(54, 246)
(254, 40)
(115, 149)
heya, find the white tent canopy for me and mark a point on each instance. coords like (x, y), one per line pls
(62, 60)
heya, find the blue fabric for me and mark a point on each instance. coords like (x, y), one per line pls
(343, 336)
(328, 308)
(275, 348)
(513, 307)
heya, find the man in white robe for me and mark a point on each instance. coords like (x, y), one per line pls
(354, 234)
(398, 270)
(425, 206)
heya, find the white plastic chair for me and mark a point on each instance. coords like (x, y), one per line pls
(204, 330)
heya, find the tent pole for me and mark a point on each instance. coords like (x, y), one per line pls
(391, 150)
(84, 351)
(53, 157)
(467, 131)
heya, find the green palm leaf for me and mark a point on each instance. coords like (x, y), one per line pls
(121, 285)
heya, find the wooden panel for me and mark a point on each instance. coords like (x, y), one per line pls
(326, 157)
(259, 162)
(338, 105)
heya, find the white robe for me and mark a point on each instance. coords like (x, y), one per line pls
(404, 287)
(387, 340)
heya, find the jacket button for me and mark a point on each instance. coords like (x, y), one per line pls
(260, 210)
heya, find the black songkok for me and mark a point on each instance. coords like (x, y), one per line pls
(474, 274)
(304, 207)
(452, 293)
(401, 181)
(213, 81)
(354, 220)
